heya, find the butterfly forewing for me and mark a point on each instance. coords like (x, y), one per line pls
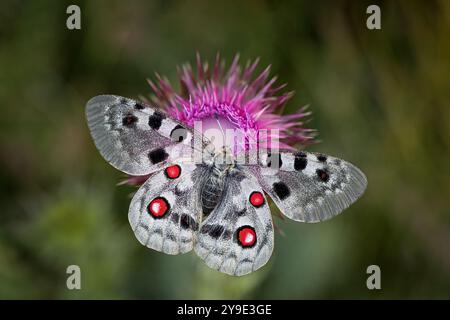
(237, 237)
(135, 137)
(308, 187)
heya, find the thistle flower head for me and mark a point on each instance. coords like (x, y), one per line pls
(233, 98)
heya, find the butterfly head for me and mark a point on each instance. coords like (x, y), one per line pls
(224, 158)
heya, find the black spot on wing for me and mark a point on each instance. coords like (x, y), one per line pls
(323, 175)
(321, 158)
(213, 230)
(187, 222)
(158, 155)
(139, 106)
(281, 190)
(300, 161)
(272, 160)
(178, 134)
(155, 120)
(129, 120)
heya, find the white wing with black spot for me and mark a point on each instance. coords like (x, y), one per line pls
(134, 137)
(165, 212)
(307, 187)
(237, 237)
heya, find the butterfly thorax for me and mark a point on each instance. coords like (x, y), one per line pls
(213, 187)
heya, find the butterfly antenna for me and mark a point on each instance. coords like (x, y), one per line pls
(221, 129)
(220, 126)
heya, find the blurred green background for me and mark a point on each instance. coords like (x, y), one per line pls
(380, 100)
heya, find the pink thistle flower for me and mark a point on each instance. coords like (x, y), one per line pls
(235, 99)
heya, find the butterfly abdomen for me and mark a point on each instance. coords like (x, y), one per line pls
(212, 190)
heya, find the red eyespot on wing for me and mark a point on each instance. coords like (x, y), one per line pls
(246, 236)
(173, 172)
(158, 207)
(256, 199)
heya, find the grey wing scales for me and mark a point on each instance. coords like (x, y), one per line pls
(308, 187)
(134, 137)
(234, 220)
(165, 212)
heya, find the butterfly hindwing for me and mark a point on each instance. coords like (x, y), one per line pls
(237, 237)
(165, 212)
(135, 137)
(308, 187)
